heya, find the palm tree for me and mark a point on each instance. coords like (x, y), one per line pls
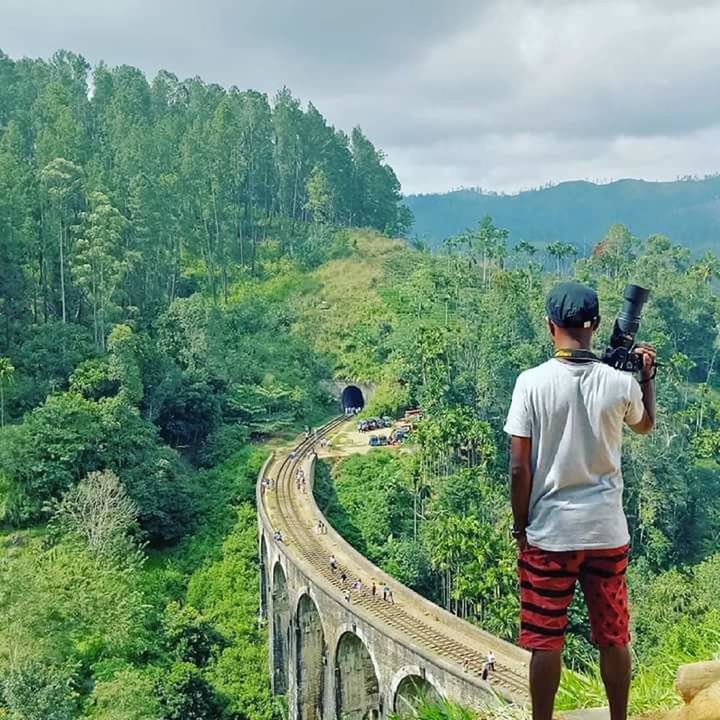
(570, 250)
(6, 372)
(708, 267)
(525, 250)
(560, 250)
(491, 241)
(447, 534)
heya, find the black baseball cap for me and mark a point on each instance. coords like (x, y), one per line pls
(572, 305)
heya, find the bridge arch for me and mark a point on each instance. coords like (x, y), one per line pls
(281, 611)
(357, 688)
(410, 687)
(310, 659)
(263, 577)
(352, 397)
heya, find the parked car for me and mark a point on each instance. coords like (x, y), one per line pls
(398, 435)
(374, 423)
(377, 440)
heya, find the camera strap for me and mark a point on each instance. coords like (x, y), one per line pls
(577, 356)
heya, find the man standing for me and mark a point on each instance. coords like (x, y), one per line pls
(565, 423)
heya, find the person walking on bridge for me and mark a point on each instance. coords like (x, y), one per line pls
(490, 662)
(566, 422)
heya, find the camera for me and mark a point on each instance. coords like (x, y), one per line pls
(619, 353)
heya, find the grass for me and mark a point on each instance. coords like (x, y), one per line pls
(651, 689)
(445, 710)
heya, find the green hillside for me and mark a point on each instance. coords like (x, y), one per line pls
(579, 212)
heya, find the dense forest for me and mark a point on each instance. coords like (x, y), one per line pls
(181, 269)
(108, 197)
(579, 212)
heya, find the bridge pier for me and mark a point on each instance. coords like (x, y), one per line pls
(310, 660)
(357, 687)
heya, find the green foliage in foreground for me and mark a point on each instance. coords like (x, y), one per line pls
(440, 711)
(105, 636)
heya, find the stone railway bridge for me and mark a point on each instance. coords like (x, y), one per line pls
(366, 658)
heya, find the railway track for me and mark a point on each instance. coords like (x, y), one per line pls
(407, 620)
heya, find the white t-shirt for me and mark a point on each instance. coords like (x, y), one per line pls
(574, 413)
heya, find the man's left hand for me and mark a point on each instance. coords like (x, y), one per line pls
(648, 355)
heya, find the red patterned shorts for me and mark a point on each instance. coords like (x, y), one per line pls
(547, 585)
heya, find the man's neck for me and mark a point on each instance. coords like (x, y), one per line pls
(570, 344)
(566, 345)
(572, 341)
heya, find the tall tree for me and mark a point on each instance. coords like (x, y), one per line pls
(289, 153)
(7, 371)
(376, 189)
(321, 201)
(18, 230)
(101, 260)
(62, 181)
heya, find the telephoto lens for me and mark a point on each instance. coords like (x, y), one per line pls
(628, 319)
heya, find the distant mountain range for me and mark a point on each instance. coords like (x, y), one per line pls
(579, 212)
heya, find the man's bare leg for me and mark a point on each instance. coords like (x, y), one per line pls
(615, 665)
(545, 667)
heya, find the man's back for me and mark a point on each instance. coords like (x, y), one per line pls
(574, 413)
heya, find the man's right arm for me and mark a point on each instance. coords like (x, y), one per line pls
(520, 482)
(519, 427)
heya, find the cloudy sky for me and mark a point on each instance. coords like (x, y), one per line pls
(502, 94)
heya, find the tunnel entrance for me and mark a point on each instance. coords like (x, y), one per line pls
(280, 630)
(311, 660)
(352, 397)
(263, 577)
(411, 692)
(357, 691)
